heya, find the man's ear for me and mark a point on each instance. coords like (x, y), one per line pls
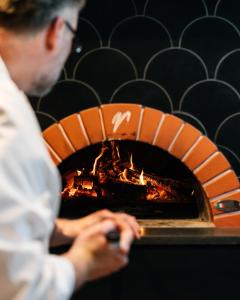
(54, 33)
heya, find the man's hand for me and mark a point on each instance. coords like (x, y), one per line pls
(67, 230)
(91, 254)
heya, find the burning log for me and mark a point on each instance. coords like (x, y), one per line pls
(113, 178)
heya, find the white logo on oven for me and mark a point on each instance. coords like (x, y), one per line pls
(118, 118)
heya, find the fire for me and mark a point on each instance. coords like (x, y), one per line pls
(141, 179)
(118, 153)
(110, 172)
(123, 175)
(72, 192)
(93, 172)
(79, 173)
(131, 163)
(88, 185)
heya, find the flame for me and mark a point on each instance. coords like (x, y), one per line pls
(110, 170)
(123, 175)
(131, 163)
(79, 173)
(72, 192)
(93, 172)
(118, 153)
(88, 185)
(141, 179)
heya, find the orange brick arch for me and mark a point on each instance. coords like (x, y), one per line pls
(178, 138)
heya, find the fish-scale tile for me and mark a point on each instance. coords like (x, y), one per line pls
(225, 134)
(175, 69)
(175, 14)
(105, 70)
(229, 10)
(136, 37)
(215, 38)
(105, 15)
(68, 97)
(89, 38)
(145, 92)
(211, 102)
(228, 69)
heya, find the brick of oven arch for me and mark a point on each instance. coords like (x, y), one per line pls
(134, 122)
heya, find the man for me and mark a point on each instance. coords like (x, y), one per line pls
(35, 42)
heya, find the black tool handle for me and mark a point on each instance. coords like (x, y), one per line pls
(113, 236)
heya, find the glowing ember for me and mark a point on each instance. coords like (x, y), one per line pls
(72, 192)
(110, 172)
(88, 185)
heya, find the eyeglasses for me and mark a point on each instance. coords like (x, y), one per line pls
(76, 46)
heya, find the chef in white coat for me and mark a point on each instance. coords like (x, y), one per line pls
(35, 41)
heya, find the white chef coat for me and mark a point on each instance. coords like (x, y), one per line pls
(29, 203)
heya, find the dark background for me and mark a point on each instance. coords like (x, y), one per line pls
(175, 264)
(172, 273)
(182, 57)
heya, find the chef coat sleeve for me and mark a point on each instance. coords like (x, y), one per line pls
(27, 270)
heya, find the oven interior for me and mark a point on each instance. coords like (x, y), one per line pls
(133, 177)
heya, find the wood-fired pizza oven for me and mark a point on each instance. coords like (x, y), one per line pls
(152, 152)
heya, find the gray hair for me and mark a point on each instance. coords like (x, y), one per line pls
(31, 15)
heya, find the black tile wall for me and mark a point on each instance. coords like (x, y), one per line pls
(182, 57)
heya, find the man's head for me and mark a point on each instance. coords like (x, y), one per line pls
(35, 40)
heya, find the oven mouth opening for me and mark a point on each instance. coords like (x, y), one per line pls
(157, 185)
